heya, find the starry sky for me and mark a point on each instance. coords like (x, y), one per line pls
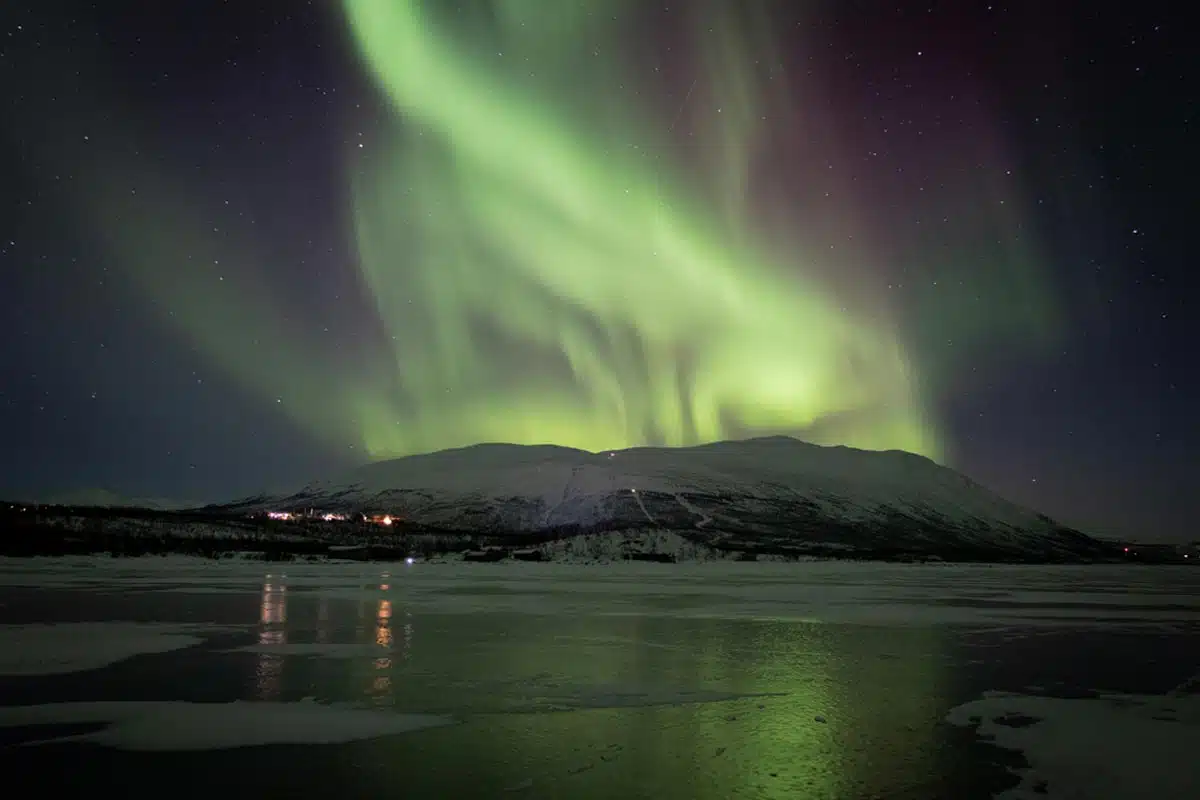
(246, 244)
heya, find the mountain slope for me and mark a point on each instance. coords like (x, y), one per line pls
(768, 495)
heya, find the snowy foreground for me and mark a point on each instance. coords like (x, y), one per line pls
(1106, 746)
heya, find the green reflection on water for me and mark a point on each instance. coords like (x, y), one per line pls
(629, 706)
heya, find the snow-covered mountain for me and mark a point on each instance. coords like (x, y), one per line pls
(774, 494)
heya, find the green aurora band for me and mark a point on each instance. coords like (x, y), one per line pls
(546, 261)
(544, 281)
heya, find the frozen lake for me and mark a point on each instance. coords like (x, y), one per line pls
(814, 680)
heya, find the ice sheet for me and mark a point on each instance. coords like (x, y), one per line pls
(886, 594)
(549, 693)
(332, 650)
(178, 726)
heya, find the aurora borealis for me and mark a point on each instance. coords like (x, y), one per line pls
(380, 227)
(545, 283)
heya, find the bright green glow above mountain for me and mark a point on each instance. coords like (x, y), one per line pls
(557, 243)
(547, 274)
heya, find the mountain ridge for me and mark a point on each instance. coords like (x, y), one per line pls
(768, 494)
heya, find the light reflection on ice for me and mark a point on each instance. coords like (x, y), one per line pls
(382, 683)
(747, 694)
(272, 633)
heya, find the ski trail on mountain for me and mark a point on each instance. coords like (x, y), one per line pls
(705, 518)
(562, 498)
(642, 506)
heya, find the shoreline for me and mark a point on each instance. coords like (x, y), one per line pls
(126, 533)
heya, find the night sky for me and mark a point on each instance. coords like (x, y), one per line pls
(247, 244)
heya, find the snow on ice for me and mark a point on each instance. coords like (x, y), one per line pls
(1117, 747)
(80, 646)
